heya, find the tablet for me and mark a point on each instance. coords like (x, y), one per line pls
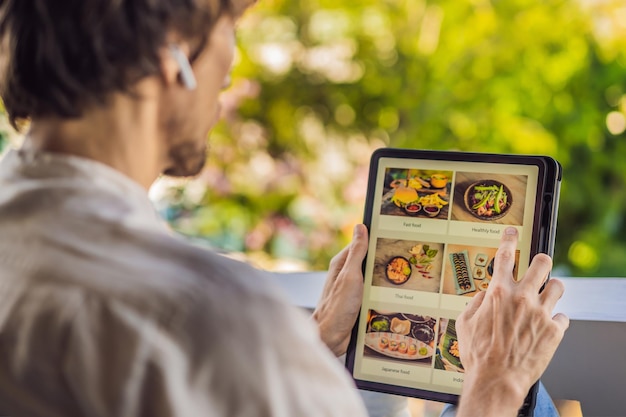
(435, 220)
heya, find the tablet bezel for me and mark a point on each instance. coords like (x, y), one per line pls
(542, 240)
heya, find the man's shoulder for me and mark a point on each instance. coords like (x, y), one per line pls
(149, 270)
(187, 263)
(159, 270)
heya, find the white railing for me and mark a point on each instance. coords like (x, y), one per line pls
(589, 365)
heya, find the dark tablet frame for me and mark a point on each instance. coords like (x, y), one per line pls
(542, 241)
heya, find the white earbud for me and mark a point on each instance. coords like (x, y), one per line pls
(186, 72)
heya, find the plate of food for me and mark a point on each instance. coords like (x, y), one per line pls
(379, 323)
(481, 259)
(488, 199)
(400, 326)
(479, 272)
(423, 332)
(398, 346)
(398, 270)
(450, 348)
(462, 274)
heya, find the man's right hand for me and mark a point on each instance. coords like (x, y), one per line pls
(508, 335)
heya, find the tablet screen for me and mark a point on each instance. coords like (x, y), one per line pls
(435, 226)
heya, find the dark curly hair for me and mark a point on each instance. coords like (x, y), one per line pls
(58, 57)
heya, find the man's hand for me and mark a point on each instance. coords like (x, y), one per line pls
(341, 299)
(508, 335)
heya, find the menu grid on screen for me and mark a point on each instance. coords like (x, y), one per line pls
(435, 228)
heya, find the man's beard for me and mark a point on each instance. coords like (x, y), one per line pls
(187, 159)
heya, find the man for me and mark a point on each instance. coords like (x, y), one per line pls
(103, 312)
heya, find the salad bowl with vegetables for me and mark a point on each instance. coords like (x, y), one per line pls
(488, 199)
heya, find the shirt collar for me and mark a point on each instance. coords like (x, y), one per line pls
(48, 169)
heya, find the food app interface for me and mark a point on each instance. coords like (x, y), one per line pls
(436, 226)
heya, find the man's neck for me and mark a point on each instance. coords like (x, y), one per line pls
(123, 135)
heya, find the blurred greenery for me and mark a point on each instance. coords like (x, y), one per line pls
(319, 84)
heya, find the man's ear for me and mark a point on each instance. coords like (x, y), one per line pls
(175, 64)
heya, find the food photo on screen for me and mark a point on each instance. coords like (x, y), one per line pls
(489, 198)
(468, 269)
(408, 265)
(400, 337)
(447, 357)
(416, 193)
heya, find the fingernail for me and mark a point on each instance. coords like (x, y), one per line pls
(510, 231)
(357, 231)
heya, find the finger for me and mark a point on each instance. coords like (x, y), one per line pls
(562, 321)
(337, 262)
(537, 272)
(505, 258)
(552, 293)
(341, 264)
(474, 305)
(357, 250)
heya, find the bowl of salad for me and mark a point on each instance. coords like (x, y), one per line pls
(488, 199)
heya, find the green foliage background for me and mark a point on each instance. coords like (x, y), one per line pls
(319, 84)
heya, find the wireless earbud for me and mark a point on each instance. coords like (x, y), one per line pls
(186, 72)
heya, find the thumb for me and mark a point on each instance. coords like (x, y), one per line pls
(358, 247)
(472, 306)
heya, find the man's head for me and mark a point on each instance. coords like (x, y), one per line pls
(60, 59)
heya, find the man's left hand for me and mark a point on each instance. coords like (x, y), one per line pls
(341, 298)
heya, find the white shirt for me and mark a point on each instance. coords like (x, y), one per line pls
(104, 312)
